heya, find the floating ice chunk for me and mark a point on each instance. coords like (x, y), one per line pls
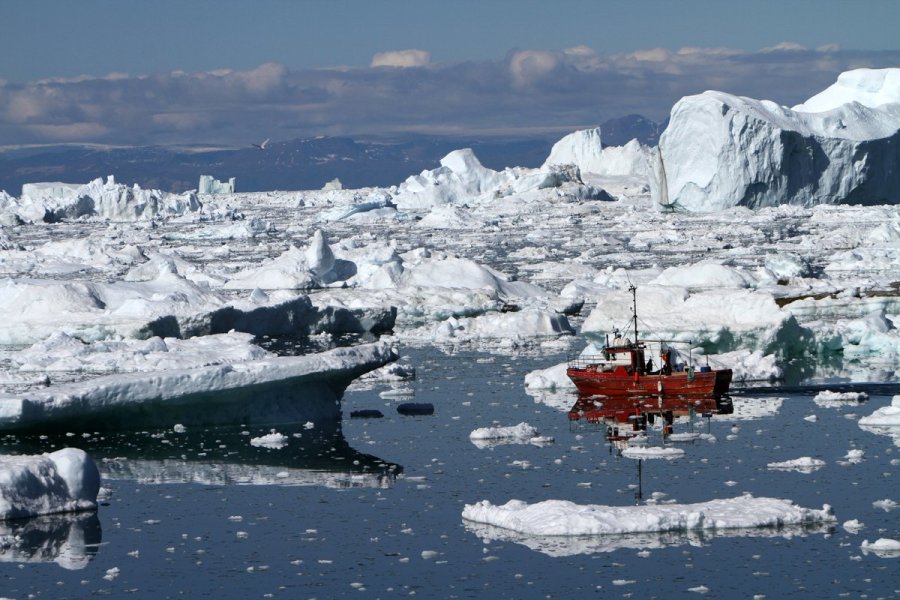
(887, 416)
(273, 440)
(551, 378)
(683, 437)
(887, 504)
(564, 518)
(855, 455)
(883, 547)
(522, 431)
(653, 452)
(853, 526)
(804, 464)
(63, 481)
(829, 399)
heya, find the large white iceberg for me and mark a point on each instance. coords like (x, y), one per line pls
(721, 150)
(52, 202)
(296, 388)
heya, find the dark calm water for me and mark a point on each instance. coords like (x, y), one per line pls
(371, 508)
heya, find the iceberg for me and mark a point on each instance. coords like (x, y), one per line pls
(210, 185)
(720, 151)
(564, 518)
(585, 150)
(54, 202)
(59, 482)
(294, 388)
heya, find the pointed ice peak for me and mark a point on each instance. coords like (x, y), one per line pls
(319, 254)
(581, 148)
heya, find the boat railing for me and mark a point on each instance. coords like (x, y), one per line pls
(583, 361)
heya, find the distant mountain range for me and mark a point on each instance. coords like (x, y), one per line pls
(289, 165)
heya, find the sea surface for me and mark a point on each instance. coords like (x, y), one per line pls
(371, 507)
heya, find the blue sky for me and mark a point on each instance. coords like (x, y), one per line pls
(175, 72)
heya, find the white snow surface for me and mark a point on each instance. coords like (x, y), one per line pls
(63, 481)
(869, 87)
(564, 518)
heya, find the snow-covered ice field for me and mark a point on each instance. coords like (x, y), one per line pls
(200, 349)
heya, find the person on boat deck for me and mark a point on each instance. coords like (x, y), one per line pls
(649, 366)
(667, 362)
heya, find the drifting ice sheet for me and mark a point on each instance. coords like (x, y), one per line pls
(564, 518)
(301, 387)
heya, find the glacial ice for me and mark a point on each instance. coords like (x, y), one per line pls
(720, 151)
(110, 200)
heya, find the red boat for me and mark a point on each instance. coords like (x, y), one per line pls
(624, 371)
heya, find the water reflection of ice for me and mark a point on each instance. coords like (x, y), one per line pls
(225, 456)
(559, 546)
(70, 540)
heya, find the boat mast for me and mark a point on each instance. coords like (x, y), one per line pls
(633, 291)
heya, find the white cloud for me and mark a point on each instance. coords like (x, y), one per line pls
(402, 58)
(529, 90)
(528, 66)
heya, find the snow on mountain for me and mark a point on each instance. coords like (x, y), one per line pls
(721, 150)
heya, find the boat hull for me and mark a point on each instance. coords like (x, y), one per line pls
(678, 385)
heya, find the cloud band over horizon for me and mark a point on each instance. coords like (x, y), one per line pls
(403, 91)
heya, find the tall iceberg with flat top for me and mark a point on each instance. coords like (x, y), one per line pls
(840, 147)
(210, 185)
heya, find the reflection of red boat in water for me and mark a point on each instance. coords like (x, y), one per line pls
(624, 370)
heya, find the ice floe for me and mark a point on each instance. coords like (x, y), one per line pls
(59, 482)
(564, 518)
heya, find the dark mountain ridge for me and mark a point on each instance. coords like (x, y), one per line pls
(287, 165)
